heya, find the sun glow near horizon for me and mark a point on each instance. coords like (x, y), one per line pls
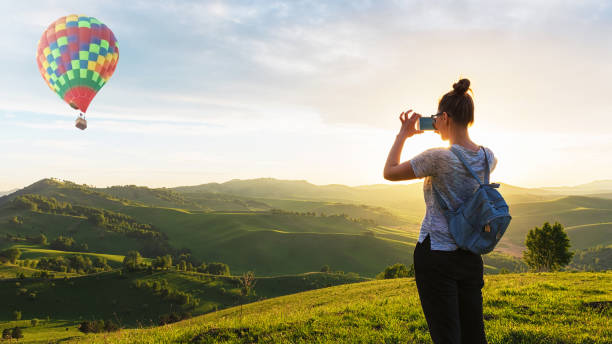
(312, 92)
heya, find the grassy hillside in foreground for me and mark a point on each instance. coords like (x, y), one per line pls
(128, 300)
(563, 308)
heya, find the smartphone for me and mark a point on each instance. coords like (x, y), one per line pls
(426, 123)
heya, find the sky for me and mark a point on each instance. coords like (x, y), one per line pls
(209, 91)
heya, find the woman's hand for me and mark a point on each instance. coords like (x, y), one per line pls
(408, 125)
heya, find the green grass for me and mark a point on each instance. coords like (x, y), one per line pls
(36, 252)
(9, 271)
(67, 302)
(54, 225)
(272, 244)
(585, 236)
(518, 308)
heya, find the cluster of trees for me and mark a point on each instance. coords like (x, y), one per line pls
(397, 270)
(220, 269)
(133, 261)
(185, 263)
(163, 290)
(162, 262)
(74, 263)
(39, 239)
(109, 220)
(63, 243)
(12, 333)
(10, 255)
(598, 258)
(277, 211)
(369, 222)
(97, 326)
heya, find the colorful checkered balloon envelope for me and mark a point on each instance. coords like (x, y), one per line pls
(76, 56)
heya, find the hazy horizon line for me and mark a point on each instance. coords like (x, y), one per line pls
(416, 181)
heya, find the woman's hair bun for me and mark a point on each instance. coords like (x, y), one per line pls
(461, 86)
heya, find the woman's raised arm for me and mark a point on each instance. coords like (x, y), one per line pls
(395, 171)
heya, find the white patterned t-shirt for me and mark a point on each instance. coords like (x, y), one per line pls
(455, 184)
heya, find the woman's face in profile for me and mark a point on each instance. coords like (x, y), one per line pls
(442, 125)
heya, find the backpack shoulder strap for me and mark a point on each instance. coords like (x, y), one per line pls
(487, 170)
(467, 165)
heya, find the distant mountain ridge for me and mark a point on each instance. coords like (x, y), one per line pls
(594, 187)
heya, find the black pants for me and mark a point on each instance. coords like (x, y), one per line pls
(449, 285)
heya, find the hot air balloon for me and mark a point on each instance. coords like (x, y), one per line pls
(76, 56)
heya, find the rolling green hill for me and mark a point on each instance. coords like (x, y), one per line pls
(405, 200)
(585, 218)
(518, 308)
(289, 235)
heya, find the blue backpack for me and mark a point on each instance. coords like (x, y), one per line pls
(479, 223)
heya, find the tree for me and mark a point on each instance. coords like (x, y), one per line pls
(325, 268)
(101, 263)
(97, 219)
(547, 248)
(11, 254)
(63, 243)
(181, 266)
(398, 271)
(218, 269)
(42, 239)
(247, 283)
(131, 262)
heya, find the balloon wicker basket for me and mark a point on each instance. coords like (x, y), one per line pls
(81, 122)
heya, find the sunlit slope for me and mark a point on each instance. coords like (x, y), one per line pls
(278, 243)
(586, 219)
(116, 197)
(54, 225)
(518, 308)
(584, 236)
(405, 199)
(66, 191)
(37, 251)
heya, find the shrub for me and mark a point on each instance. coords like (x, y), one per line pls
(132, 261)
(173, 317)
(218, 269)
(11, 255)
(398, 271)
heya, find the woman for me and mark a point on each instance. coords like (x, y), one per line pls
(449, 280)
